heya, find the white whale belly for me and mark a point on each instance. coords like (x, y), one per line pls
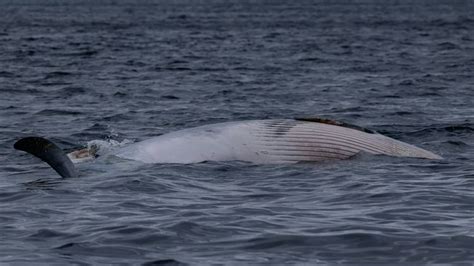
(266, 141)
(217, 142)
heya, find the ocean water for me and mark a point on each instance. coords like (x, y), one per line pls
(115, 72)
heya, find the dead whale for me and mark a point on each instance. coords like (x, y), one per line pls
(273, 141)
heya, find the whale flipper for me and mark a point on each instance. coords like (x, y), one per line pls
(49, 153)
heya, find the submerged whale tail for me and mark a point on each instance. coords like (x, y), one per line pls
(49, 153)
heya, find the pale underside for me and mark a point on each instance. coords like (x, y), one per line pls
(266, 141)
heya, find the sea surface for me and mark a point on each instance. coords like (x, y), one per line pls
(113, 72)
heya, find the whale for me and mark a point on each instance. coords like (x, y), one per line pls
(268, 141)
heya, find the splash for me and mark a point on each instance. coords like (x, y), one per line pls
(101, 147)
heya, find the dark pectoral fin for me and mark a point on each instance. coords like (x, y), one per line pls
(49, 153)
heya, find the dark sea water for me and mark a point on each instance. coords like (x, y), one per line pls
(113, 72)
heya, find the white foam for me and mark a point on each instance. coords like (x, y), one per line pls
(101, 147)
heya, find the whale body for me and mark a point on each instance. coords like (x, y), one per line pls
(268, 141)
(256, 141)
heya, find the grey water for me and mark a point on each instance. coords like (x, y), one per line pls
(114, 72)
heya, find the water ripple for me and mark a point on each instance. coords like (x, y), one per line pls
(109, 74)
